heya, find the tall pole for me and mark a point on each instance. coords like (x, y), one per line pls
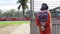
(31, 16)
(31, 9)
(33, 27)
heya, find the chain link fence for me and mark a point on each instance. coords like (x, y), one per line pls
(54, 7)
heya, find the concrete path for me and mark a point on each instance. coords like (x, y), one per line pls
(22, 29)
(8, 29)
(15, 29)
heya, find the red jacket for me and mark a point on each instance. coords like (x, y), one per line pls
(48, 23)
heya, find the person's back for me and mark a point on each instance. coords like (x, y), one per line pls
(46, 28)
(43, 15)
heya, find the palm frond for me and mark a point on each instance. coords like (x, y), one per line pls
(19, 1)
(19, 6)
(24, 5)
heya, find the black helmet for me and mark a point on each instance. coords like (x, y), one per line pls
(44, 6)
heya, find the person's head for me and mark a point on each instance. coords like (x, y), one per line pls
(44, 6)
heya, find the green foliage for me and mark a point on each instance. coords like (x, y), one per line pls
(24, 5)
(28, 13)
(14, 13)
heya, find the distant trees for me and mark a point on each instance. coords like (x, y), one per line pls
(13, 13)
(1, 13)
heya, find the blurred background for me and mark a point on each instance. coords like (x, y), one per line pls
(14, 10)
(15, 14)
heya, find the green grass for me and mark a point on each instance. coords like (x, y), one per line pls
(14, 22)
(8, 23)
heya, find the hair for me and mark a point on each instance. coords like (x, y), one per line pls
(44, 6)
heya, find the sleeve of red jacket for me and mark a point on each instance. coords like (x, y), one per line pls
(37, 21)
(49, 19)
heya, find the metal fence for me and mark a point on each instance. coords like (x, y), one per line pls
(55, 26)
(55, 23)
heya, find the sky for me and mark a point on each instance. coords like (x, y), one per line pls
(9, 4)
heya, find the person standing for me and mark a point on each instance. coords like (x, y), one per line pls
(43, 20)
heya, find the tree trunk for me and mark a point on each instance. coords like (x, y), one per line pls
(23, 13)
(18, 13)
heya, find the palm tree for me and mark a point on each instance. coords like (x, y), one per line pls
(22, 3)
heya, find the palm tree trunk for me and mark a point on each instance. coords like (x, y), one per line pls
(23, 13)
(18, 13)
